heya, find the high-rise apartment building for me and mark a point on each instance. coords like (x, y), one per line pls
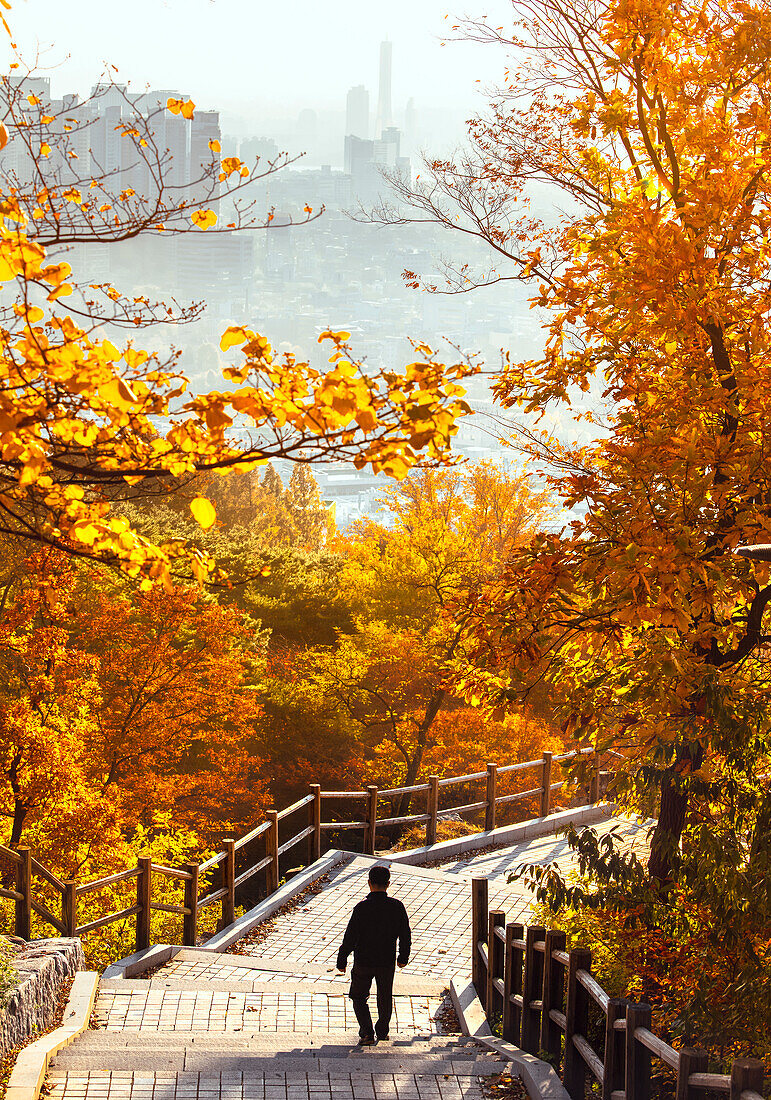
(357, 112)
(384, 109)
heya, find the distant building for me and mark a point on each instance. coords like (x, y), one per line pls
(384, 117)
(357, 112)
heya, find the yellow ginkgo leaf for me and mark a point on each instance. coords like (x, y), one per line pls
(215, 146)
(203, 218)
(3, 136)
(234, 335)
(204, 512)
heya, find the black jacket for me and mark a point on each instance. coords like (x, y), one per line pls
(375, 925)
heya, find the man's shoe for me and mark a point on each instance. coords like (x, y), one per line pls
(367, 1041)
(382, 1038)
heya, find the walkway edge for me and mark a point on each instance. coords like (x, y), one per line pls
(29, 1072)
(540, 1080)
(507, 834)
(268, 907)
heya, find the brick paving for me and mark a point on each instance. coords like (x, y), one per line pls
(187, 968)
(275, 1086)
(200, 1010)
(438, 905)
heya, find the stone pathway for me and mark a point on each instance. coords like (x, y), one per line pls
(270, 1019)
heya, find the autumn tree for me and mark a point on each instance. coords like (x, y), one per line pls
(450, 529)
(121, 713)
(647, 124)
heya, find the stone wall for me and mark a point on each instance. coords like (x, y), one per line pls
(30, 1006)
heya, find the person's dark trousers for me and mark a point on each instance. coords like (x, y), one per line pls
(361, 981)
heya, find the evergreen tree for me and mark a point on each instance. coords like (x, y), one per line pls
(307, 509)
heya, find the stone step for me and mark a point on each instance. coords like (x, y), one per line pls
(246, 1085)
(297, 1053)
(212, 1063)
(268, 1045)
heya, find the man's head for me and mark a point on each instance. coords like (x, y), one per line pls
(379, 877)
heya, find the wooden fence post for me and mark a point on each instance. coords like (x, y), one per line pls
(369, 847)
(690, 1061)
(144, 901)
(576, 1021)
(495, 964)
(478, 933)
(512, 982)
(271, 850)
(553, 995)
(746, 1073)
(492, 785)
(70, 907)
(23, 908)
(613, 1060)
(432, 809)
(531, 988)
(638, 1057)
(229, 884)
(314, 840)
(190, 919)
(546, 784)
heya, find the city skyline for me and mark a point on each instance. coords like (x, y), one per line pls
(235, 55)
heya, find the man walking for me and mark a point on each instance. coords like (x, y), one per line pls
(372, 933)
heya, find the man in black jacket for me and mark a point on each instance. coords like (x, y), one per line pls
(373, 930)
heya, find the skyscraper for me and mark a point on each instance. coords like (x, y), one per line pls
(384, 90)
(357, 112)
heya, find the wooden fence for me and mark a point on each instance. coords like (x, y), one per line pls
(264, 850)
(542, 996)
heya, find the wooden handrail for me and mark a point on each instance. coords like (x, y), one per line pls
(544, 993)
(518, 796)
(172, 872)
(344, 794)
(417, 789)
(253, 835)
(111, 918)
(47, 915)
(212, 861)
(505, 769)
(298, 805)
(294, 840)
(454, 780)
(46, 875)
(222, 880)
(108, 880)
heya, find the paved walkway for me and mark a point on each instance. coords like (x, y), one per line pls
(270, 1019)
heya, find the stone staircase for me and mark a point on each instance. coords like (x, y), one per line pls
(273, 1021)
(290, 1039)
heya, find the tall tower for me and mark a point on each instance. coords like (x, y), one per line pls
(384, 118)
(357, 112)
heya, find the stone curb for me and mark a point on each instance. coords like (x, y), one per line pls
(540, 1080)
(508, 834)
(29, 1073)
(268, 907)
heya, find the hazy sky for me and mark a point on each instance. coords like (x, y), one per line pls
(227, 52)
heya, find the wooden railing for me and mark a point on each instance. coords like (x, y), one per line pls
(253, 864)
(540, 997)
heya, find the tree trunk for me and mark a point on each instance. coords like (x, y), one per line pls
(19, 814)
(665, 842)
(413, 768)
